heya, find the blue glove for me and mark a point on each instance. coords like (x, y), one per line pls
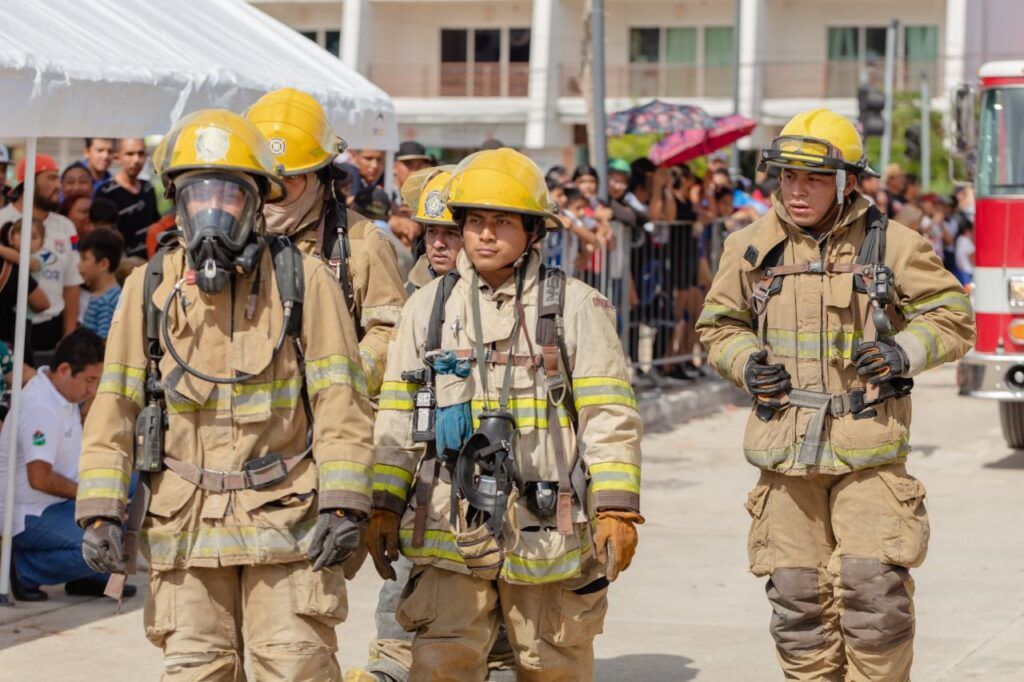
(453, 427)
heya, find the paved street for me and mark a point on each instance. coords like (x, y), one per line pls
(687, 609)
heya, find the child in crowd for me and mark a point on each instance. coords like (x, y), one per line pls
(103, 214)
(100, 253)
(10, 243)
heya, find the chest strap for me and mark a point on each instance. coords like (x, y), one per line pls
(493, 357)
(256, 474)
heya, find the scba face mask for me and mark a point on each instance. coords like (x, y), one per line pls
(216, 214)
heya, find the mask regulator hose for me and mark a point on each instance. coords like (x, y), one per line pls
(289, 308)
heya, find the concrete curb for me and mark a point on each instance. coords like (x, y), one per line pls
(663, 409)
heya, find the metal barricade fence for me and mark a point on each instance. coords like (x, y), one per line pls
(651, 274)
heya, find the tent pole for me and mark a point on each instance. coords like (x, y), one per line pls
(21, 319)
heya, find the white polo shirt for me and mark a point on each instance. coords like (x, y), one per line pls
(50, 431)
(59, 256)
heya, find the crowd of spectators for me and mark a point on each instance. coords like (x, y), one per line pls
(947, 221)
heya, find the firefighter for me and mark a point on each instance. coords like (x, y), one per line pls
(823, 311)
(442, 236)
(497, 369)
(391, 651)
(315, 218)
(252, 427)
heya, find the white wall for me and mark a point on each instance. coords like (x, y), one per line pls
(304, 16)
(994, 32)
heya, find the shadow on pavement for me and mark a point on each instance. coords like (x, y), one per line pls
(644, 668)
(27, 621)
(1015, 460)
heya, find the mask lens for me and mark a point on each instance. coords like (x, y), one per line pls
(219, 207)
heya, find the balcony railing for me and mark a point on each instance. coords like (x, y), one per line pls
(653, 80)
(453, 79)
(817, 80)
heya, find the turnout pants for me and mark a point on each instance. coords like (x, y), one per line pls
(391, 652)
(284, 614)
(836, 550)
(455, 617)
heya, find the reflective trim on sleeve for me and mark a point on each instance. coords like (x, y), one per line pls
(935, 350)
(952, 299)
(712, 313)
(351, 477)
(392, 479)
(124, 381)
(591, 391)
(397, 395)
(732, 350)
(614, 476)
(103, 483)
(334, 370)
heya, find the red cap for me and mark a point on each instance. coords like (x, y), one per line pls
(43, 163)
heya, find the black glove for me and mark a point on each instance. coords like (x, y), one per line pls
(338, 533)
(764, 380)
(879, 361)
(103, 546)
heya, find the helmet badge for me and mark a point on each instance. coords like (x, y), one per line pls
(434, 204)
(212, 144)
(277, 146)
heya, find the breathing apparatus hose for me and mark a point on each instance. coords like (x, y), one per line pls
(289, 307)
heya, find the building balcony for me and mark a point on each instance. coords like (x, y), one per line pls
(452, 79)
(653, 80)
(821, 80)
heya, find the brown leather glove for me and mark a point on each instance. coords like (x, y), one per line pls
(382, 541)
(616, 540)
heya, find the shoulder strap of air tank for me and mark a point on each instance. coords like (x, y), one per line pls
(290, 278)
(872, 250)
(436, 325)
(151, 313)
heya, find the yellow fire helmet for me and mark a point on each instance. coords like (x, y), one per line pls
(424, 192)
(296, 129)
(501, 180)
(819, 140)
(218, 139)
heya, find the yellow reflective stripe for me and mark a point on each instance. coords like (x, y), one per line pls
(732, 350)
(123, 380)
(391, 479)
(397, 395)
(952, 299)
(935, 350)
(712, 313)
(813, 345)
(614, 476)
(590, 391)
(334, 370)
(237, 544)
(437, 544)
(528, 412)
(546, 570)
(104, 483)
(373, 369)
(243, 399)
(832, 456)
(349, 476)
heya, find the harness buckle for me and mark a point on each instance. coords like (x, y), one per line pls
(264, 472)
(816, 267)
(759, 297)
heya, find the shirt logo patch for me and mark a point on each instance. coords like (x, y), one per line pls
(39, 439)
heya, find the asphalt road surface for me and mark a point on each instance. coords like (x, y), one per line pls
(687, 609)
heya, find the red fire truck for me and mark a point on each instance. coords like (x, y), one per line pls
(995, 149)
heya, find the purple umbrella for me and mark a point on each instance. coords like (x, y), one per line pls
(658, 117)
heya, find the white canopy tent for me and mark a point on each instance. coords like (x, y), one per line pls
(129, 68)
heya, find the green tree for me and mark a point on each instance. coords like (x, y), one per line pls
(906, 111)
